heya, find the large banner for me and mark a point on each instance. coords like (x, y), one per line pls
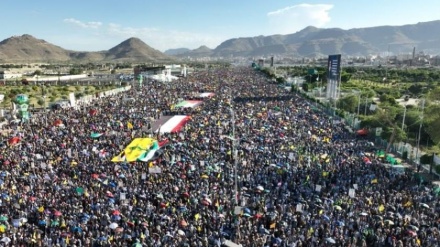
(22, 101)
(333, 76)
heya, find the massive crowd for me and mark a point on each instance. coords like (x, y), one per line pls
(297, 177)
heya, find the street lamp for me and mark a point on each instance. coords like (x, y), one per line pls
(420, 132)
(234, 147)
(404, 115)
(234, 155)
(358, 106)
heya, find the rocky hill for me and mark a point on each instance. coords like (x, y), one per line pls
(177, 51)
(27, 48)
(309, 42)
(312, 41)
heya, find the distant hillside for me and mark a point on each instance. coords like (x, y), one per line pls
(27, 48)
(134, 50)
(309, 42)
(313, 41)
(177, 51)
(202, 51)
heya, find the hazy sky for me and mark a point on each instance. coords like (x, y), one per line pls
(95, 25)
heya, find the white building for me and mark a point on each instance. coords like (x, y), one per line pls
(8, 75)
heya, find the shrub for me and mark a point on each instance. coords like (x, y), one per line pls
(40, 101)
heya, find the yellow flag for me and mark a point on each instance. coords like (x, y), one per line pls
(324, 174)
(273, 225)
(369, 201)
(197, 216)
(129, 125)
(142, 235)
(41, 209)
(381, 208)
(374, 181)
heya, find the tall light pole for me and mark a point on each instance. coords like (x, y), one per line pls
(404, 115)
(234, 146)
(234, 155)
(420, 132)
(366, 103)
(358, 106)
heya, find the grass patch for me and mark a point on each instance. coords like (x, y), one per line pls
(53, 93)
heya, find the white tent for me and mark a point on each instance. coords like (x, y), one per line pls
(163, 77)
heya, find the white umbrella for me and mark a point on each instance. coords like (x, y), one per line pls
(424, 205)
(5, 240)
(113, 225)
(330, 240)
(363, 214)
(181, 233)
(260, 188)
(208, 200)
(413, 227)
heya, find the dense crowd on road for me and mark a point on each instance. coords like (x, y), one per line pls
(256, 165)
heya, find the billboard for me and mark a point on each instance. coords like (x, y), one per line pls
(333, 76)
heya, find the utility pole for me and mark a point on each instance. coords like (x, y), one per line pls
(234, 155)
(420, 132)
(403, 120)
(365, 110)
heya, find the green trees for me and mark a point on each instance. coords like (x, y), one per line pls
(432, 116)
(75, 71)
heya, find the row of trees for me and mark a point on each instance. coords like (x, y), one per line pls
(389, 91)
(373, 74)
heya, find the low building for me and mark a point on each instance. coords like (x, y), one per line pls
(9, 75)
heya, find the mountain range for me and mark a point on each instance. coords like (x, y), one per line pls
(312, 42)
(309, 42)
(26, 48)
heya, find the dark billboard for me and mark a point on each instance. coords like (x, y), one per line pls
(334, 67)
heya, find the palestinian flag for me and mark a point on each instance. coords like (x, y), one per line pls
(189, 103)
(174, 124)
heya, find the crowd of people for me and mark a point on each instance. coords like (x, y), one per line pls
(255, 166)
